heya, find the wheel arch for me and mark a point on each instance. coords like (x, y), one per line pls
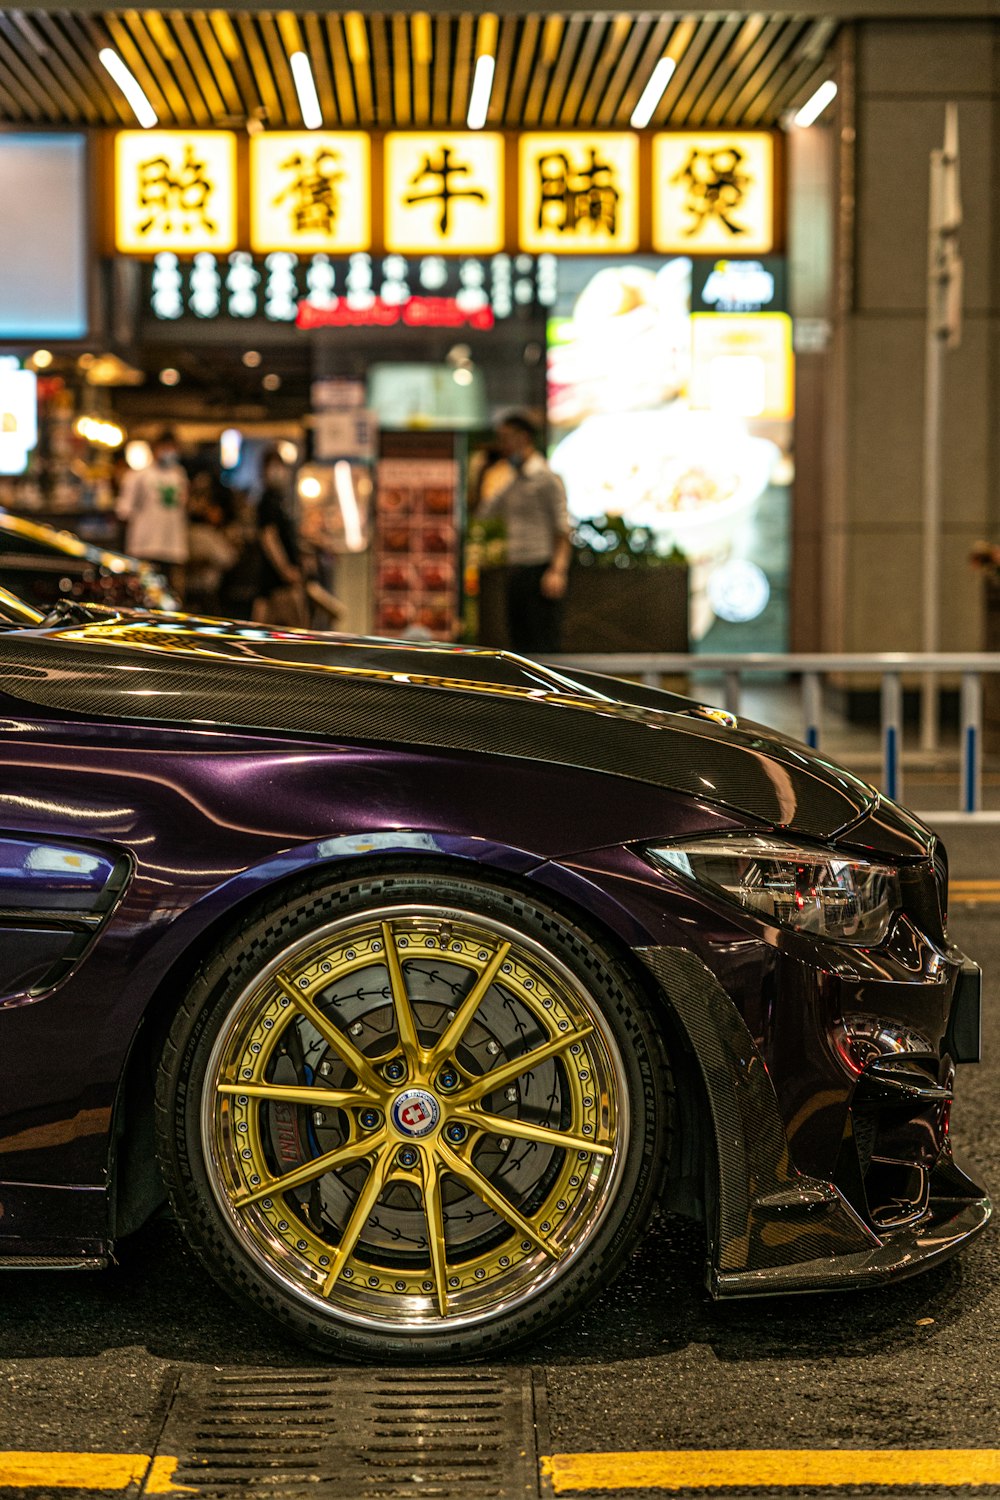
(136, 1189)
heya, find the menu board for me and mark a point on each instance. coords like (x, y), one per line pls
(416, 548)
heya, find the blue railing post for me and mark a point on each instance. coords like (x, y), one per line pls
(892, 735)
(972, 748)
(812, 708)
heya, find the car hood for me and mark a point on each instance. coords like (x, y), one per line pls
(165, 669)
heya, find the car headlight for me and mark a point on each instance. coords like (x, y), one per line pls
(810, 890)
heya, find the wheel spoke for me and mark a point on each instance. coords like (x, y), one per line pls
(463, 1016)
(434, 1214)
(493, 1198)
(367, 1199)
(406, 1025)
(345, 1049)
(498, 1078)
(319, 1166)
(290, 1093)
(523, 1130)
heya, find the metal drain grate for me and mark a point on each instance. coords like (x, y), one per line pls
(355, 1434)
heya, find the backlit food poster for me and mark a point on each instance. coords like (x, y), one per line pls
(416, 548)
(654, 418)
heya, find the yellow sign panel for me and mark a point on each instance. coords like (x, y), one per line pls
(742, 365)
(310, 191)
(175, 190)
(444, 193)
(579, 193)
(713, 191)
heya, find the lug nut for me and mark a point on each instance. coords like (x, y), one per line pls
(407, 1156)
(394, 1071)
(455, 1133)
(447, 1079)
(369, 1118)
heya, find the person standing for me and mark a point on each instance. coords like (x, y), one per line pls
(533, 508)
(281, 595)
(153, 505)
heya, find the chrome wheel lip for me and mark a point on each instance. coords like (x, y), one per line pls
(400, 1327)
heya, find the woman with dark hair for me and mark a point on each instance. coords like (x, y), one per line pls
(281, 594)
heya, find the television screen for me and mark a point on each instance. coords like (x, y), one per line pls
(43, 236)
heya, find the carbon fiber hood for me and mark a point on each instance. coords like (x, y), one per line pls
(176, 670)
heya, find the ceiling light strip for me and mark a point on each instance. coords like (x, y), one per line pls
(305, 87)
(130, 87)
(814, 107)
(652, 93)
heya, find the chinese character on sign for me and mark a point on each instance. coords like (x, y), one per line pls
(175, 197)
(716, 183)
(309, 192)
(572, 195)
(445, 169)
(175, 190)
(713, 191)
(579, 194)
(313, 193)
(444, 193)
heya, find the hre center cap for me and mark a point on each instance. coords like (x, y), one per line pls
(415, 1113)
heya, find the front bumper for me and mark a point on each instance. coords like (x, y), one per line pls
(957, 1210)
(882, 1199)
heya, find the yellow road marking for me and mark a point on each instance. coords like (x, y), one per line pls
(90, 1471)
(755, 1468)
(160, 1479)
(975, 892)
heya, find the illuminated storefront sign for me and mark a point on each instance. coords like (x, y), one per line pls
(708, 193)
(739, 285)
(579, 193)
(310, 191)
(741, 364)
(18, 416)
(444, 192)
(358, 290)
(713, 191)
(175, 190)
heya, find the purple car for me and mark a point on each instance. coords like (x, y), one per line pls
(417, 977)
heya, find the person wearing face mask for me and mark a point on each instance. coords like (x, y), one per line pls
(533, 508)
(153, 505)
(281, 594)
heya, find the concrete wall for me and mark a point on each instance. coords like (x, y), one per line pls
(871, 514)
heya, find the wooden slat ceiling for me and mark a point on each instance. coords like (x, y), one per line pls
(379, 70)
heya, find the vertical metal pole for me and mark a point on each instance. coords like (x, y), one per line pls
(733, 692)
(651, 679)
(892, 735)
(932, 462)
(972, 750)
(812, 708)
(944, 329)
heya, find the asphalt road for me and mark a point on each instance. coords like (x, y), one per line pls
(88, 1362)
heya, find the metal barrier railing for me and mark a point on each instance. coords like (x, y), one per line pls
(890, 668)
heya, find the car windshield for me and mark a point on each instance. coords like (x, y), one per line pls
(13, 611)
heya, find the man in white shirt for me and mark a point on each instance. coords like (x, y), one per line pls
(153, 505)
(533, 508)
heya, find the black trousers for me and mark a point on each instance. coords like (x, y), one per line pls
(534, 623)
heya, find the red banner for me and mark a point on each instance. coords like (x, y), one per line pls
(418, 312)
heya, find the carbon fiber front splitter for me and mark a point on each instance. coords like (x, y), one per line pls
(957, 1211)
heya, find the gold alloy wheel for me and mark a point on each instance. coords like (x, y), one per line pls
(415, 1116)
